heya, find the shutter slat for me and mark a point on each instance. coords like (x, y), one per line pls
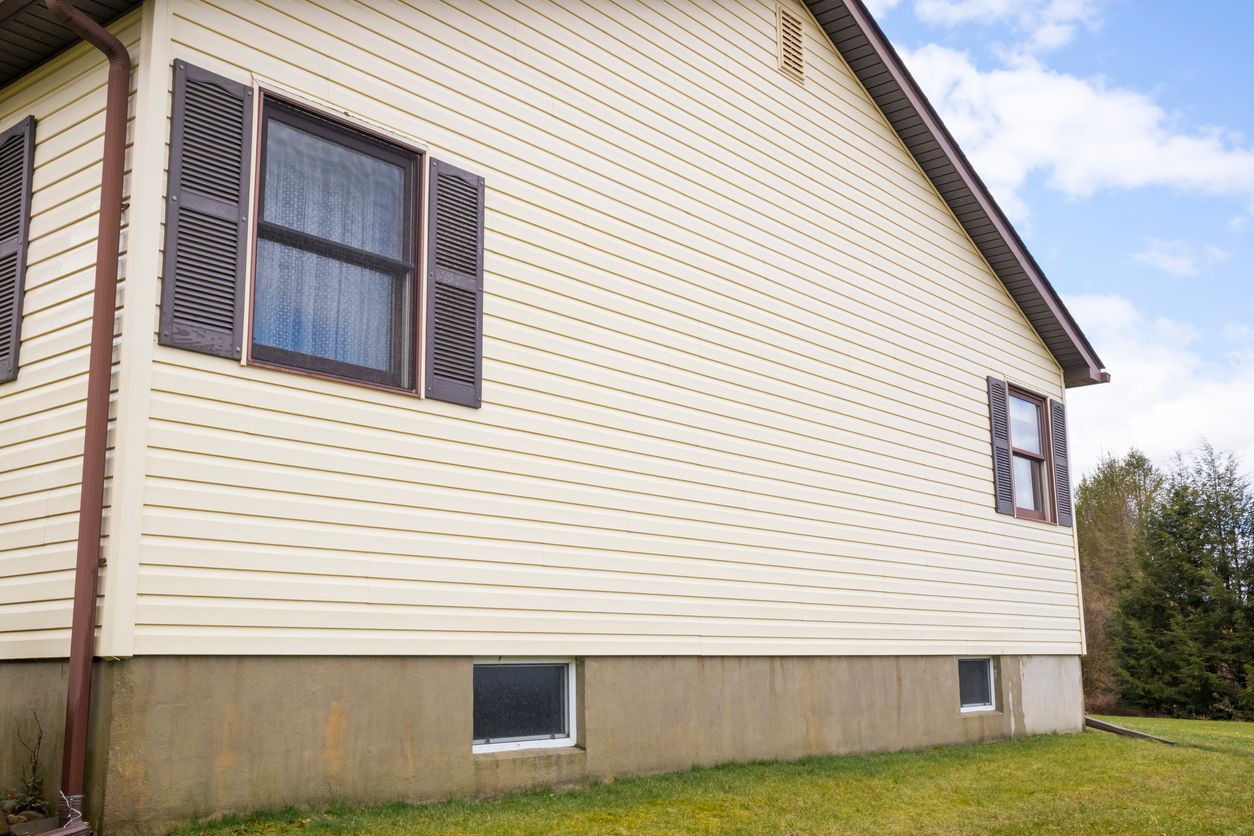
(1062, 463)
(454, 368)
(202, 300)
(17, 165)
(999, 422)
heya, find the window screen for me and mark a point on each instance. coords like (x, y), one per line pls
(975, 683)
(521, 702)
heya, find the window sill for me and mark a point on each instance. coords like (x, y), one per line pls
(565, 751)
(979, 711)
(523, 746)
(347, 381)
(1033, 518)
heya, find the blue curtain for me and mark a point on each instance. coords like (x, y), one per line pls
(310, 303)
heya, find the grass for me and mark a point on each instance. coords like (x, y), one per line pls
(1086, 783)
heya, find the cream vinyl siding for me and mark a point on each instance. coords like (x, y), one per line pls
(41, 413)
(734, 375)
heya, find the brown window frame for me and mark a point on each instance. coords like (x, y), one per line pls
(407, 318)
(1048, 514)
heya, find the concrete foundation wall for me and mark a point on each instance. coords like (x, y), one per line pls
(30, 692)
(181, 737)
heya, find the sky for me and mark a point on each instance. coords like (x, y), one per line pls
(1118, 135)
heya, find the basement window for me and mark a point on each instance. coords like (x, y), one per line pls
(523, 705)
(975, 684)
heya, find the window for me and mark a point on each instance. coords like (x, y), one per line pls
(1029, 451)
(328, 217)
(333, 289)
(975, 684)
(1031, 470)
(521, 705)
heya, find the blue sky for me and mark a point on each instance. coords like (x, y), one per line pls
(1119, 137)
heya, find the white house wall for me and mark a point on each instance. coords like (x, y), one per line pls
(41, 413)
(734, 375)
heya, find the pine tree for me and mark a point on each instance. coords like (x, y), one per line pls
(1111, 506)
(1183, 637)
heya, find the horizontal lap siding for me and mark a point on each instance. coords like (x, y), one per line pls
(41, 413)
(735, 350)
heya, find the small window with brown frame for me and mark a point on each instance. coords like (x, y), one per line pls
(1029, 448)
(334, 291)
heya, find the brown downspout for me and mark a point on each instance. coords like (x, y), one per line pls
(91, 501)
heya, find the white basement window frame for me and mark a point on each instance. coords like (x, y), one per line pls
(972, 707)
(566, 739)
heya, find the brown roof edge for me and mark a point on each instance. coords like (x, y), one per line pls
(880, 69)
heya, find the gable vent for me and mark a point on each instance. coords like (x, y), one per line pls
(790, 34)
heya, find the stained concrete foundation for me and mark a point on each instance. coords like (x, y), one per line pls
(180, 737)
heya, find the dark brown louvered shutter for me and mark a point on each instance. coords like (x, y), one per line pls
(17, 164)
(999, 420)
(1062, 466)
(206, 229)
(455, 285)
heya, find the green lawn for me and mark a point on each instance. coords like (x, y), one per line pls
(1091, 782)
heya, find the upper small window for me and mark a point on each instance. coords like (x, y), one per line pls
(520, 705)
(334, 291)
(1029, 448)
(975, 684)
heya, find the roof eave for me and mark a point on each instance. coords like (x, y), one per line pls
(30, 34)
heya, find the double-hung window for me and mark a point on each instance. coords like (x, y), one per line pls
(325, 218)
(1031, 470)
(334, 289)
(1029, 448)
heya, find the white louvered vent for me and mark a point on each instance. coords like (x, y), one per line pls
(790, 34)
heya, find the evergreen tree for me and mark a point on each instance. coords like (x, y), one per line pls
(1183, 627)
(1111, 506)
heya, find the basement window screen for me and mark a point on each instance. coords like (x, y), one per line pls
(522, 705)
(975, 684)
(333, 292)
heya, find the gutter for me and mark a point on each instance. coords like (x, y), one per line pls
(95, 436)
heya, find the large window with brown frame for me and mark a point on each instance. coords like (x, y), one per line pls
(1029, 448)
(334, 291)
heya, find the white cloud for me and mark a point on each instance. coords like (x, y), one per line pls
(1163, 396)
(1043, 24)
(1082, 134)
(1169, 256)
(1237, 332)
(879, 7)
(1178, 258)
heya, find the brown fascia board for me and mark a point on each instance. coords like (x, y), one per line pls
(862, 43)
